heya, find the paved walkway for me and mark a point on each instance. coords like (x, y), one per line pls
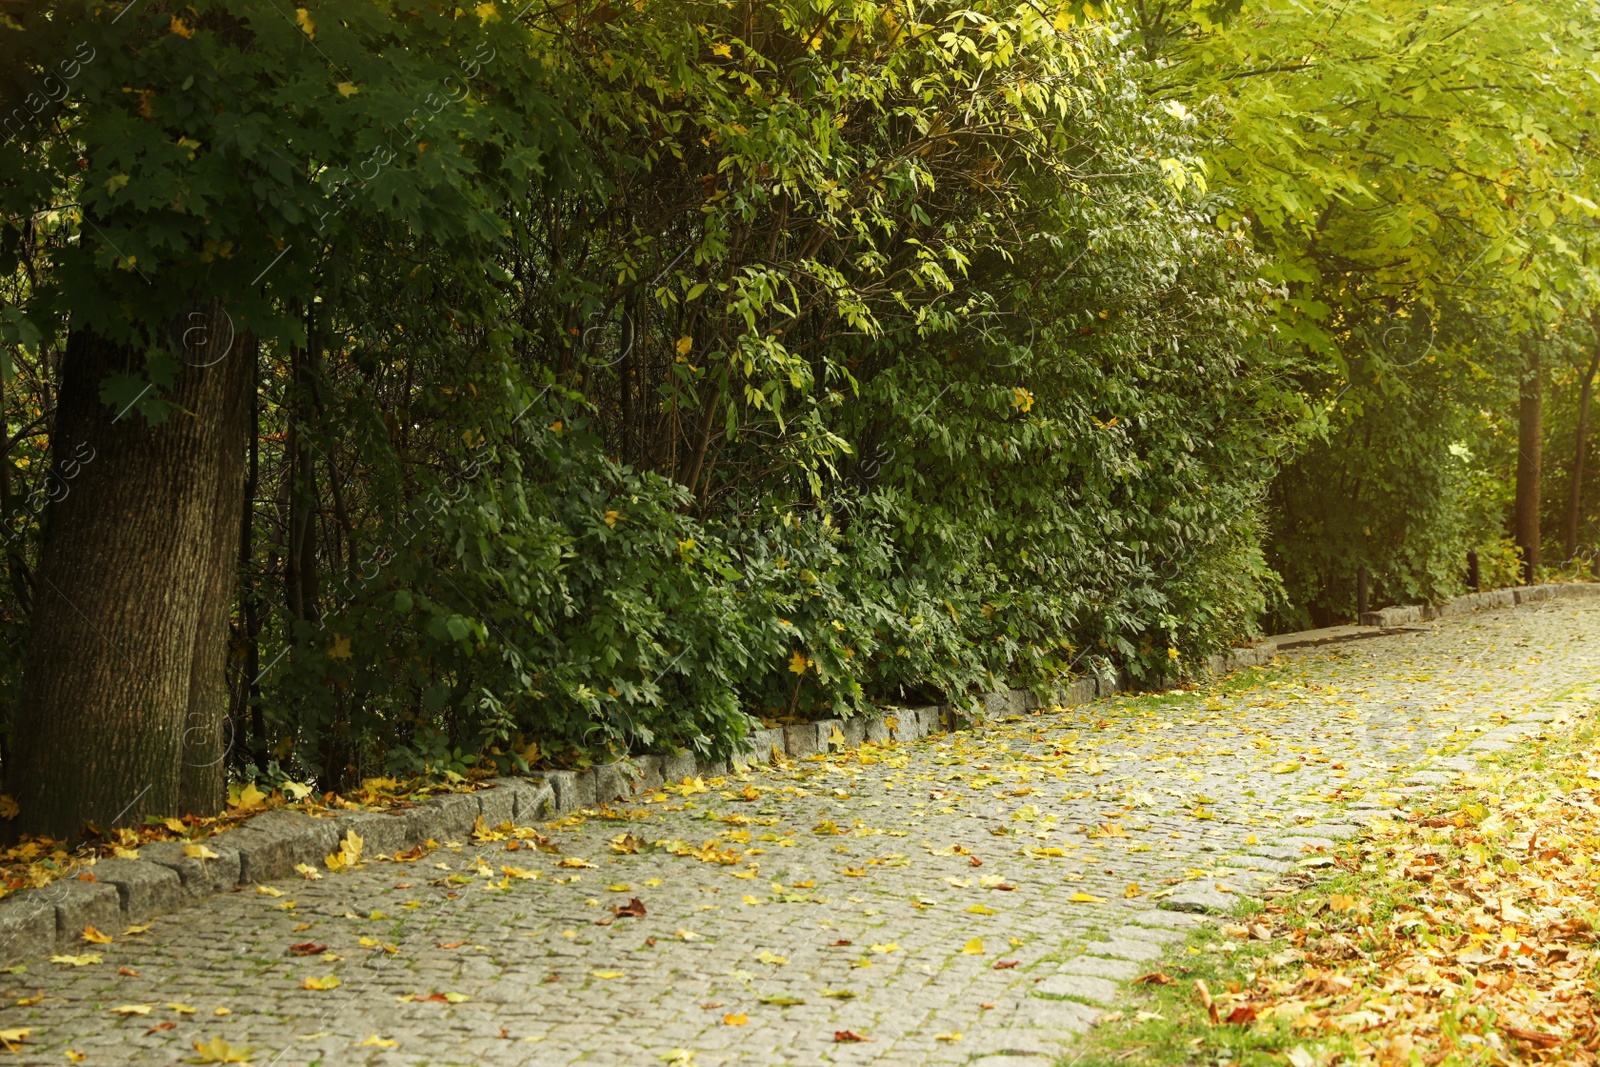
(937, 899)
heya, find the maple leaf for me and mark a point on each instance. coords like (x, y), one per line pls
(219, 1051)
(95, 937)
(320, 984)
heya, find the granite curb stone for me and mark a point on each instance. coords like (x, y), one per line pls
(143, 888)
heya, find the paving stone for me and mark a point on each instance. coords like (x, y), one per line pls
(1078, 987)
(1146, 933)
(804, 739)
(651, 776)
(611, 783)
(145, 888)
(78, 904)
(1062, 1016)
(27, 927)
(1202, 900)
(1101, 967)
(272, 843)
(382, 833)
(1123, 948)
(574, 790)
(200, 877)
(676, 766)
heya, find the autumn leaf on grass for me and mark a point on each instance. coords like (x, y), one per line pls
(1086, 898)
(378, 1042)
(884, 948)
(838, 994)
(330, 982)
(633, 909)
(131, 1009)
(973, 947)
(269, 891)
(1155, 978)
(219, 1051)
(307, 948)
(735, 1018)
(981, 909)
(574, 862)
(77, 961)
(1132, 891)
(848, 1036)
(956, 1036)
(12, 1038)
(200, 852)
(95, 937)
(607, 975)
(781, 1000)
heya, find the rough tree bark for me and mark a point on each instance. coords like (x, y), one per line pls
(123, 689)
(1580, 446)
(1530, 437)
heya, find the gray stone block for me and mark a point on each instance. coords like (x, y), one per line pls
(573, 791)
(877, 730)
(803, 739)
(1101, 967)
(826, 728)
(678, 766)
(446, 817)
(78, 904)
(145, 888)
(650, 776)
(537, 800)
(1078, 987)
(1170, 920)
(713, 769)
(497, 802)
(854, 730)
(1160, 935)
(271, 844)
(611, 783)
(1061, 1015)
(1108, 683)
(904, 725)
(200, 877)
(381, 833)
(1123, 948)
(1081, 691)
(528, 798)
(761, 743)
(1200, 900)
(27, 926)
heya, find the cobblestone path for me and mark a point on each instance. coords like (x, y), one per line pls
(967, 897)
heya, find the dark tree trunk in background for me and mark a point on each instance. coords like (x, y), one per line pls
(1580, 446)
(1530, 431)
(123, 690)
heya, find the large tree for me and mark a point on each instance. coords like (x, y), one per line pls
(204, 161)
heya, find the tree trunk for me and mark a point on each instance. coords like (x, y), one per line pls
(123, 687)
(1580, 446)
(1530, 431)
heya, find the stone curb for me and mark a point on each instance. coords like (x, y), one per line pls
(1465, 605)
(115, 893)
